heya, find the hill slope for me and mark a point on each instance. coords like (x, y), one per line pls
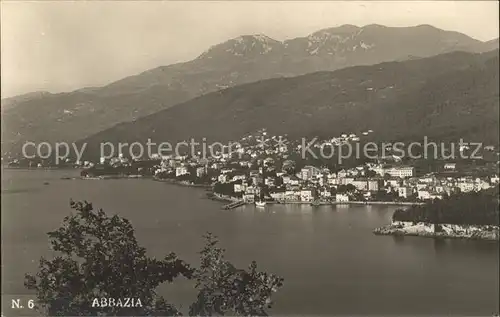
(75, 115)
(446, 97)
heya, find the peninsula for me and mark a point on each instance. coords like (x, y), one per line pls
(473, 215)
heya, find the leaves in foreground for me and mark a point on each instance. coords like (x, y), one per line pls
(99, 257)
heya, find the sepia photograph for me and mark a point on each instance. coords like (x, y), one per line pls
(250, 158)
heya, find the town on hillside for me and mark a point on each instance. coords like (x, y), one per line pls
(270, 168)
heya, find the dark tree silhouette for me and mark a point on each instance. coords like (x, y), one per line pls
(99, 257)
(224, 289)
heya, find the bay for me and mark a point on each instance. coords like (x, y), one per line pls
(331, 262)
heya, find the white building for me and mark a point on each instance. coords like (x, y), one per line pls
(427, 195)
(278, 195)
(341, 198)
(200, 171)
(269, 181)
(181, 170)
(309, 172)
(466, 186)
(401, 172)
(398, 171)
(248, 198)
(306, 195)
(223, 178)
(424, 195)
(450, 166)
(404, 192)
(494, 179)
(238, 188)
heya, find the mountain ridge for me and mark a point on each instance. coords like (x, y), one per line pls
(445, 97)
(84, 112)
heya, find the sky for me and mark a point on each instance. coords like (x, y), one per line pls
(61, 46)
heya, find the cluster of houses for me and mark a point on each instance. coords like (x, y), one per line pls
(264, 168)
(249, 180)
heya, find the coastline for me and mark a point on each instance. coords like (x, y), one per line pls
(448, 231)
(104, 177)
(215, 196)
(169, 181)
(40, 168)
(180, 183)
(334, 203)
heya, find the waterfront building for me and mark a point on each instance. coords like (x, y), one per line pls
(360, 184)
(248, 198)
(307, 195)
(374, 184)
(292, 195)
(404, 192)
(222, 178)
(424, 195)
(181, 170)
(325, 192)
(278, 194)
(494, 179)
(251, 190)
(200, 171)
(238, 188)
(341, 198)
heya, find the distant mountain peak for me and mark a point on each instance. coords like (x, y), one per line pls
(374, 26)
(345, 29)
(428, 26)
(240, 60)
(258, 37)
(337, 40)
(242, 45)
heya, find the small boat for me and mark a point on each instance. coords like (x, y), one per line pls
(46, 183)
(260, 203)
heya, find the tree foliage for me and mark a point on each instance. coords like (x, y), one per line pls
(224, 289)
(99, 257)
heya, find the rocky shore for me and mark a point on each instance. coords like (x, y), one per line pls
(443, 231)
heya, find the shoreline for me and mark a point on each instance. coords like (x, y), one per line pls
(180, 183)
(215, 197)
(105, 177)
(40, 168)
(148, 177)
(481, 233)
(334, 203)
(229, 199)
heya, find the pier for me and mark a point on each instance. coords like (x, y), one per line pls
(233, 205)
